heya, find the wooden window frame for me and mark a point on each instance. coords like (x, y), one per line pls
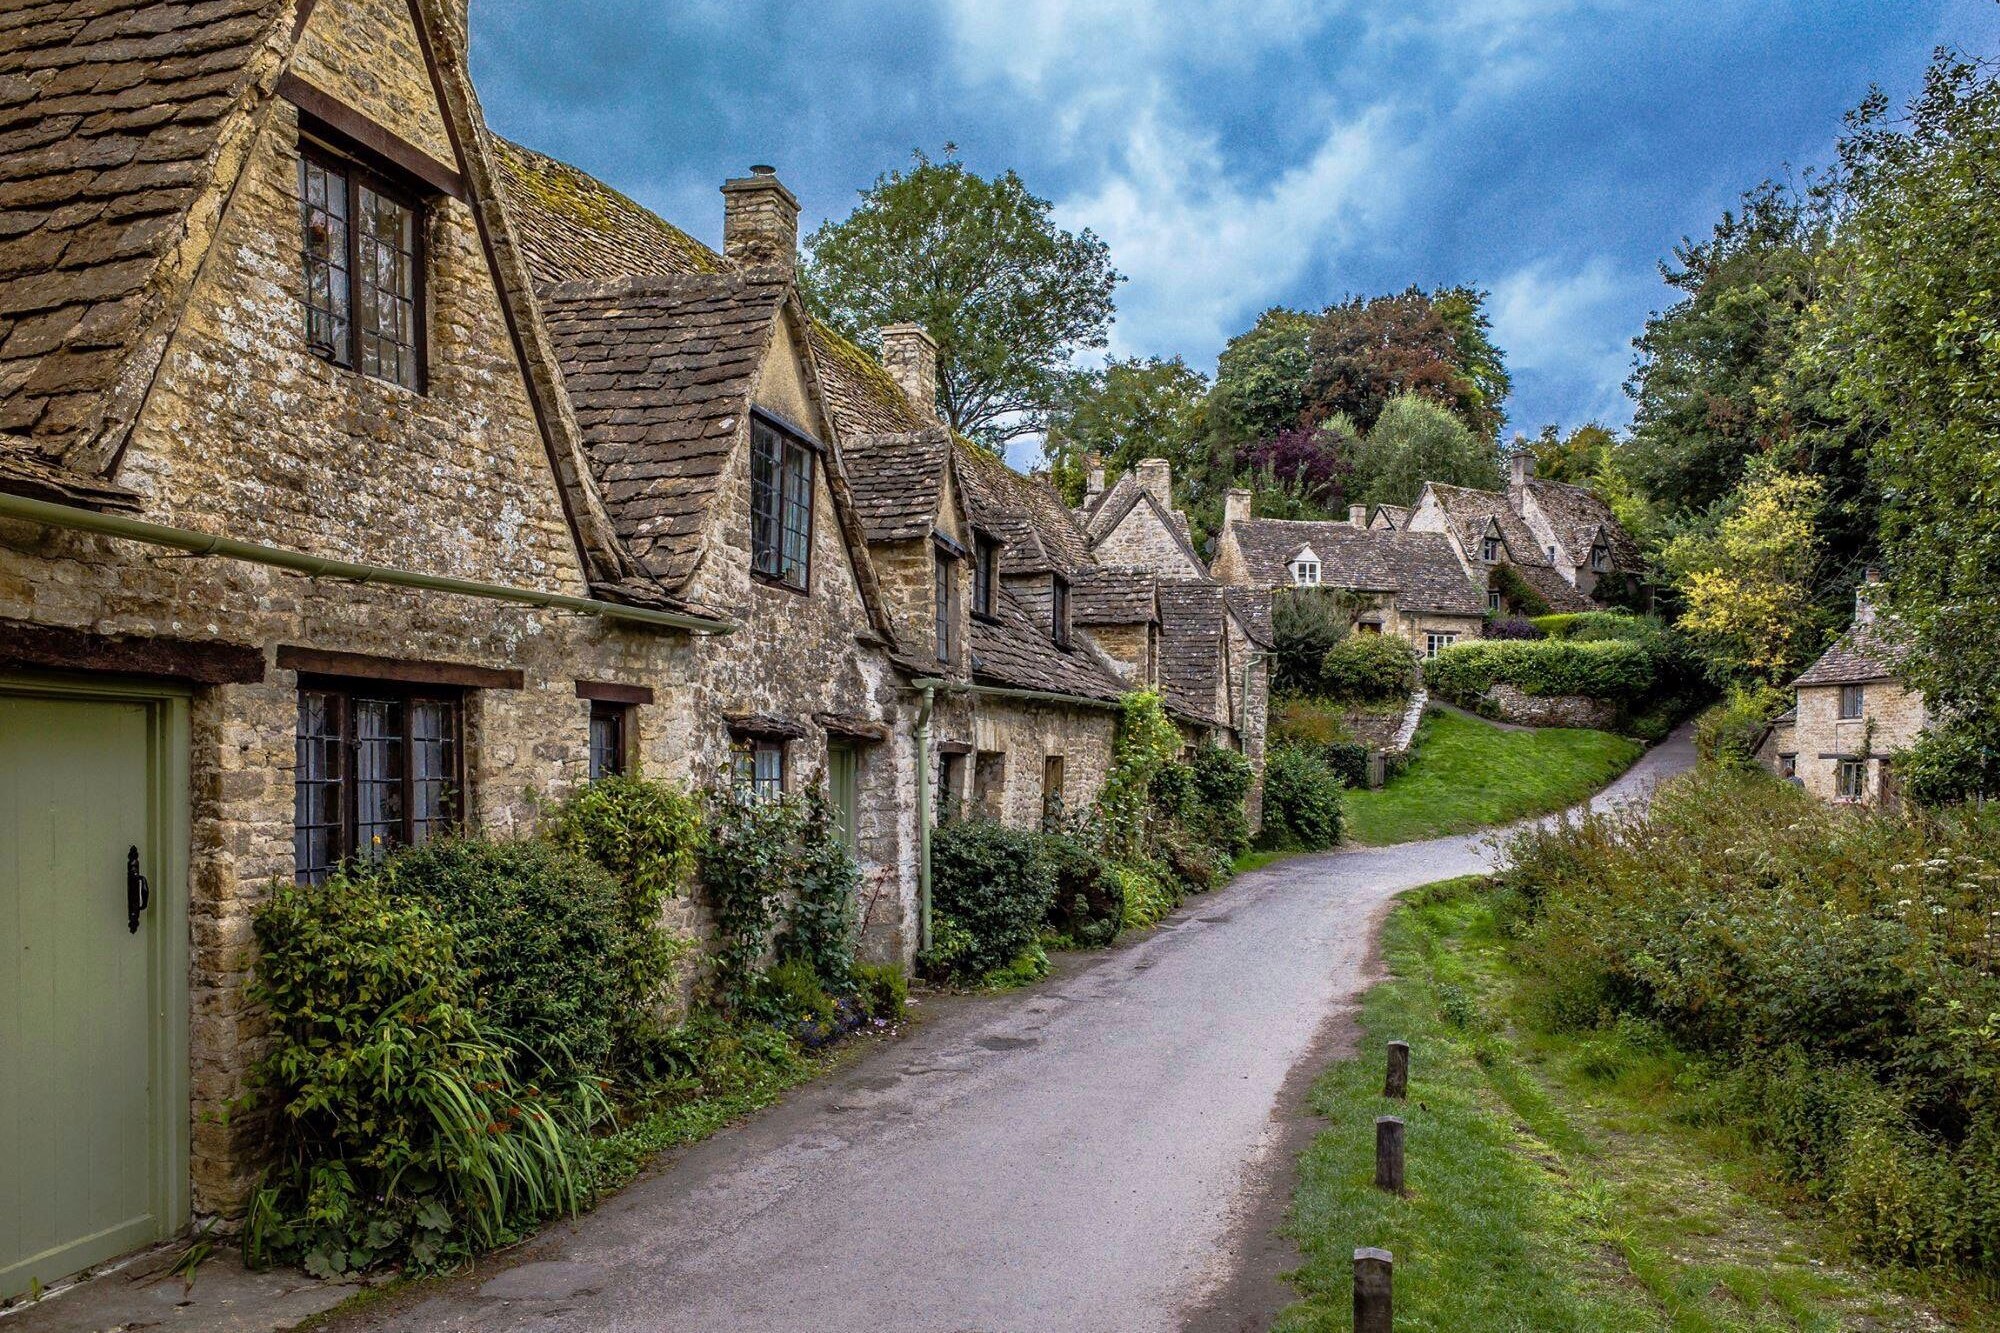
(944, 603)
(1493, 599)
(1059, 626)
(1436, 641)
(619, 715)
(1305, 573)
(1489, 550)
(1788, 766)
(1859, 693)
(794, 451)
(985, 578)
(1841, 769)
(357, 173)
(1600, 560)
(345, 691)
(749, 783)
(1053, 795)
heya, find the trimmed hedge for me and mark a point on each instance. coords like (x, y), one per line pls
(1369, 667)
(990, 891)
(1588, 625)
(1615, 669)
(1302, 801)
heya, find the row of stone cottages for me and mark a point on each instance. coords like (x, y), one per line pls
(364, 476)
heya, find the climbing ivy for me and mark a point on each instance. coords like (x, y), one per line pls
(1147, 743)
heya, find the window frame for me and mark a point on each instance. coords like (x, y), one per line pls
(346, 692)
(1842, 768)
(985, 578)
(944, 603)
(1437, 640)
(1059, 609)
(1493, 599)
(358, 172)
(1600, 559)
(1489, 550)
(1788, 766)
(1053, 793)
(751, 783)
(619, 715)
(794, 446)
(1859, 694)
(1305, 574)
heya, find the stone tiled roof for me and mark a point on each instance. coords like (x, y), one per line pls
(112, 116)
(1252, 609)
(659, 370)
(1040, 533)
(1557, 591)
(575, 228)
(1578, 515)
(1417, 567)
(1861, 655)
(1012, 651)
(1191, 638)
(896, 480)
(1398, 515)
(1111, 596)
(861, 396)
(1472, 511)
(24, 470)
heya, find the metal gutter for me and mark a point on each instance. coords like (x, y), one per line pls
(924, 820)
(206, 544)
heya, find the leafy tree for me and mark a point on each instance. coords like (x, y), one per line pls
(1369, 351)
(1592, 457)
(1911, 335)
(1305, 624)
(1414, 441)
(980, 265)
(1311, 466)
(1126, 411)
(1263, 378)
(1745, 575)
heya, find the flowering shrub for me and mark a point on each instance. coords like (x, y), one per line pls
(1845, 965)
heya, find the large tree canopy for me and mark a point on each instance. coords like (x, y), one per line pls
(1414, 441)
(1126, 411)
(978, 263)
(1263, 379)
(1435, 346)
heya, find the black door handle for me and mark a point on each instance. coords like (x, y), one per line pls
(138, 893)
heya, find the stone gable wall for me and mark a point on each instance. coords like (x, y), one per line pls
(1142, 541)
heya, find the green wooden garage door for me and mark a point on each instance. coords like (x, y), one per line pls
(92, 1051)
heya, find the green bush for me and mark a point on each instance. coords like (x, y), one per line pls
(1954, 759)
(1837, 965)
(1727, 734)
(991, 883)
(883, 990)
(543, 933)
(1302, 802)
(1368, 667)
(647, 836)
(1148, 894)
(824, 883)
(1520, 594)
(1588, 626)
(1088, 904)
(779, 881)
(1220, 783)
(405, 1128)
(1615, 669)
(1305, 623)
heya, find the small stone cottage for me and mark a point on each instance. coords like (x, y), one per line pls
(364, 477)
(1851, 717)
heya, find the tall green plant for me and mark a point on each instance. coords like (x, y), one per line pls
(1148, 741)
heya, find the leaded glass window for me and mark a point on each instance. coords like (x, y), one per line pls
(363, 269)
(781, 490)
(377, 769)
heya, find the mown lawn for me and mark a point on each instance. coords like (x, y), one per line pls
(1468, 774)
(1556, 1183)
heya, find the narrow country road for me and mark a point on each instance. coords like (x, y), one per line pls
(1108, 1151)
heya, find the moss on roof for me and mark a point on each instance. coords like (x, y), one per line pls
(575, 227)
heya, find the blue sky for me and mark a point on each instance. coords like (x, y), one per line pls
(1245, 153)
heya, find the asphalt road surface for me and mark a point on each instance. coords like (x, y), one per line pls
(1110, 1150)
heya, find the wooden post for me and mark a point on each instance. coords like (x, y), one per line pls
(1389, 1154)
(1374, 1278)
(1397, 1085)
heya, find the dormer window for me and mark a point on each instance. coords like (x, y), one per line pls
(363, 268)
(1489, 550)
(985, 568)
(1600, 558)
(1305, 569)
(1059, 610)
(781, 490)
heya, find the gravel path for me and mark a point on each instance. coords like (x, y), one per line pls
(1108, 1151)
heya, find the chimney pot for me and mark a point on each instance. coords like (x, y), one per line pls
(760, 221)
(910, 355)
(1236, 506)
(1357, 516)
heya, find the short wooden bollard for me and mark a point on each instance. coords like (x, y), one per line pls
(1389, 1153)
(1374, 1279)
(1397, 1084)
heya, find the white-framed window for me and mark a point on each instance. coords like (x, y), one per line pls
(759, 768)
(1853, 702)
(1492, 599)
(1489, 550)
(1600, 559)
(1305, 573)
(1851, 779)
(1437, 641)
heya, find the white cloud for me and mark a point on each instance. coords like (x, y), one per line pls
(1572, 323)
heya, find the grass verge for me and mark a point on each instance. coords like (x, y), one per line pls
(1468, 774)
(1556, 1183)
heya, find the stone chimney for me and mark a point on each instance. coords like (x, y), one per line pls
(1094, 487)
(1522, 465)
(760, 221)
(1156, 477)
(1235, 506)
(910, 354)
(1864, 596)
(1357, 516)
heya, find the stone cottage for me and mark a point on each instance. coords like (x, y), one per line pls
(1852, 716)
(1578, 534)
(1407, 584)
(364, 477)
(1495, 547)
